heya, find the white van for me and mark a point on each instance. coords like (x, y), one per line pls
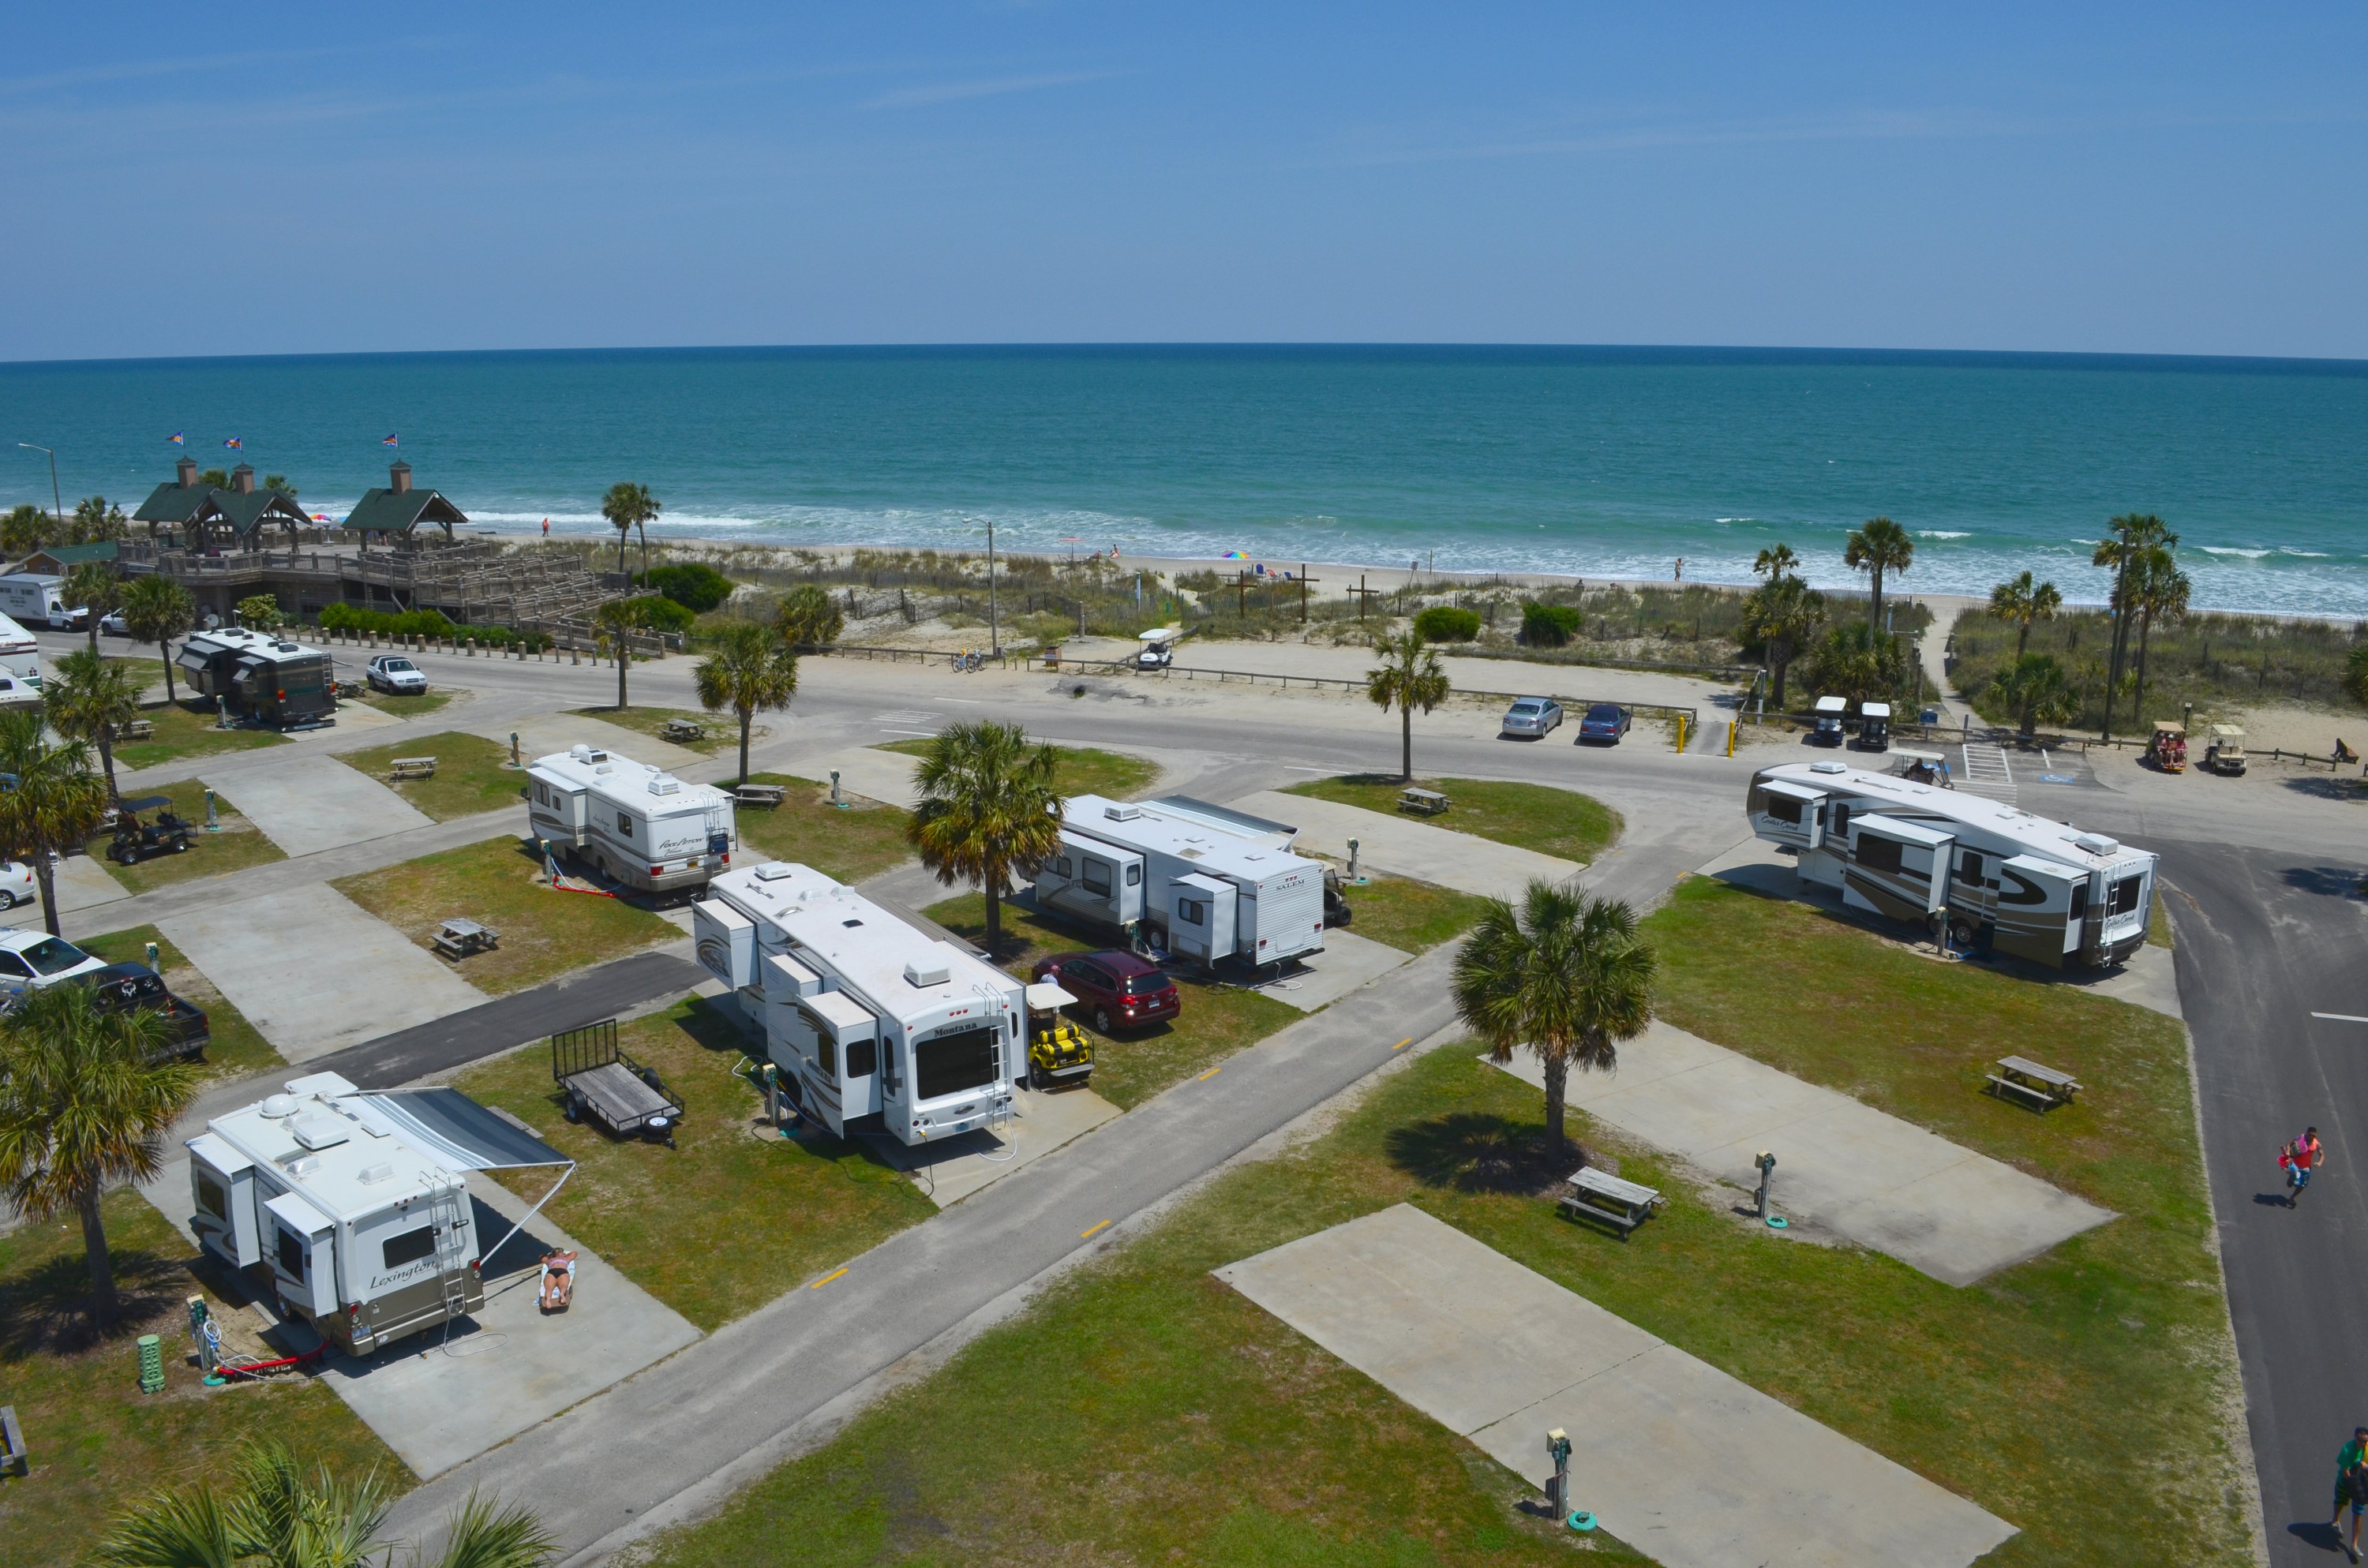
(31, 599)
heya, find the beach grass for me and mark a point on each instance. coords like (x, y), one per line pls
(732, 1215)
(859, 839)
(498, 882)
(237, 1048)
(185, 730)
(100, 1446)
(1561, 823)
(473, 774)
(239, 845)
(1082, 770)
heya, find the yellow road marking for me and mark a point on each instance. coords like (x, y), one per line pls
(826, 1280)
(1088, 1235)
(1208, 1075)
(1404, 1043)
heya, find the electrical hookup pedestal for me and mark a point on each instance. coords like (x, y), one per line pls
(1766, 1163)
(1558, 1486)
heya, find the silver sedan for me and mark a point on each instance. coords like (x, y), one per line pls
(1533, 717)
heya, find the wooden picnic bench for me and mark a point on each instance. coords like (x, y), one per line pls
(133, 730)
(2042, 1087)
(14, 1455)
(1623, 1205)
(1425, 802)
(412, 767)
(456, 939)
(682, 730)
(760, 794)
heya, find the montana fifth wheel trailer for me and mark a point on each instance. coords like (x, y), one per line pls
(1987, 873)
(639, 824)
(354, 1206)
(255, 675)
(880, 1024)
(1206, 883)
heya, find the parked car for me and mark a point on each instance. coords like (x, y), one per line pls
(120, 988)
(113, 624)
(393, 672)
(18, 884)
(30, 959)
(1535, 716)
(1605, 721)
(1118, 991)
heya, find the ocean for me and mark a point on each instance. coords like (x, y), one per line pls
(1604, 462)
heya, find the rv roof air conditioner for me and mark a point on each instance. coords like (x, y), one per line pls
(932, 972)
(1829, 767)
(317, 1132)
(2097, 843)
(1121, 812)
(663, 785)
(587, 754)
(774, 871)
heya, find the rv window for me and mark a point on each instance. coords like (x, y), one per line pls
(291, 1253)
(212, 1198)
(1970, 869)
(1784, 811)
(624, 826)
(1841, 821)
(1097, 877)
(862, 1058)
(410, 1246)
(827, 1055)
(2124, 896)
(1135, 876)
(1878, 854)
(1190, 912)
(1062, 869)
(950, 1064)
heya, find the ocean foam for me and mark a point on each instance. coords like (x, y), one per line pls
(1941, 533)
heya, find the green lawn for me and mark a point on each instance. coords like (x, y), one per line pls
(1530, 816)
(98, 1443)
(416, 705)
(185, 729)
(726, 1220)
(471, 774)
(2158, 921)
(723, 729)
(237, 1048)
(1084, 770)
(239, 845)
(498, 882)
(1214, 1022)
(850, 842)
(1409, 916)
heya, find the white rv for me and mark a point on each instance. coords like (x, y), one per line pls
(356, 1206)
(1988, 874)
(881, 1024)
(20, 665)
(31, 599)
(1203, 882)
(636, 823)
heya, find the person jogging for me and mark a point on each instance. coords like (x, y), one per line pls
(2300, 1158)
(2351, 1488)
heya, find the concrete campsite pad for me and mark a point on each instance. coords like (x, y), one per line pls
(305, 804)
(1866, 1175)
(79, 882)
(883, 776)
(1405, 847)
(1346, 963)
(1680, 1461)
(948, 1172)
(313, 971)
(544, 734)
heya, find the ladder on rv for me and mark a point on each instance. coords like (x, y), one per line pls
(448, 1212)
(1987, 773)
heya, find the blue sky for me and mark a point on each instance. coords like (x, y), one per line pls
(224, 180)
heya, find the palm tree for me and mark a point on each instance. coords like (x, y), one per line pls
(618, 619)
(2035, 689)
(24, 530)
(2130, 535)
(1409, 675)
(988, 808)
(275, 1515)
(1783, 614)
(2025, 602)
(1563, 975)
(629, 507)
(749, 672)
(83, 1104)
(2159, 591)
(92, 585)
(1881, 546)
(157, 610)
(1775, 563)
(88, 700)
(96, 521)
(55, 804)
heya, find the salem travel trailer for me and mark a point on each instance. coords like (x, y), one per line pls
(1204, 881)
(32, 598)
(637, 824)
(253, 675)
(1988, 874)
(356, 1206)
(880, 1025)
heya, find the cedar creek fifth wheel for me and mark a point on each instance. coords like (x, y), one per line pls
(1991, 875)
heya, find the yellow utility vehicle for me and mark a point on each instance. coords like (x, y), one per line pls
(1059, 1051)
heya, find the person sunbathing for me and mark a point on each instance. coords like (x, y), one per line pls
(558, 1281)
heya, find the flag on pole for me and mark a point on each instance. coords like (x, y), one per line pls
(234, 443)
(178, 439)
(386, 440)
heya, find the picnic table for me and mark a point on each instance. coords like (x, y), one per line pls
(682, 730)
(1595, 1195)
(133, 730)
(412, 767)
(760, 794)
(1425, 802)
(14, 1455)
(457, 938)
(2038, 1085)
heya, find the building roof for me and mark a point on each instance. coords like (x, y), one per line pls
(61, 556)
(249, 511)
(400, 511)
(177, 504)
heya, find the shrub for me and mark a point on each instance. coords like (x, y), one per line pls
(260, 612)
(662, 614)
(810, 615)
(694, 585)
(385, 624)
(1548, 626)
(1445, 623)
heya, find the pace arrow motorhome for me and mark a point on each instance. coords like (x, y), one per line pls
(637, 824)
(1925, 853)
(881, 1024)
(1205, 882)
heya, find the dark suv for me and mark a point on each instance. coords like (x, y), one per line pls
(1118, 991)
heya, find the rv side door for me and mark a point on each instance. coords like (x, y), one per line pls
(2042, 906)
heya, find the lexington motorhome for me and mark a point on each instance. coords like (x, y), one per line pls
(636, 823)
(1991, 875)
(20, 665)
(356, 1205)
(1203, 882)
(881, 1024)
(259, 676)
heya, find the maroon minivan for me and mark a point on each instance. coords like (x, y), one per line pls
(1118, 991)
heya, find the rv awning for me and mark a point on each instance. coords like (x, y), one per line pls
(1783, 790)
(456, 1130)
(1904, 832)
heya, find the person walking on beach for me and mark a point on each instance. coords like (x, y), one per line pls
(2300, 1158)
(546, 527)
(2352, 1487)
(1681, 571)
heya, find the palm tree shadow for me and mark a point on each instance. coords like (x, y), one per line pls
(47, 1310)
(1476, 1151)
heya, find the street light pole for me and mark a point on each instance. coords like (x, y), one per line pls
(57, 499)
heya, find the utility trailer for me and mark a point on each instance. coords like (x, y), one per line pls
(616, 1091)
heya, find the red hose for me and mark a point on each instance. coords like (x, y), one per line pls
(248, 1370)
